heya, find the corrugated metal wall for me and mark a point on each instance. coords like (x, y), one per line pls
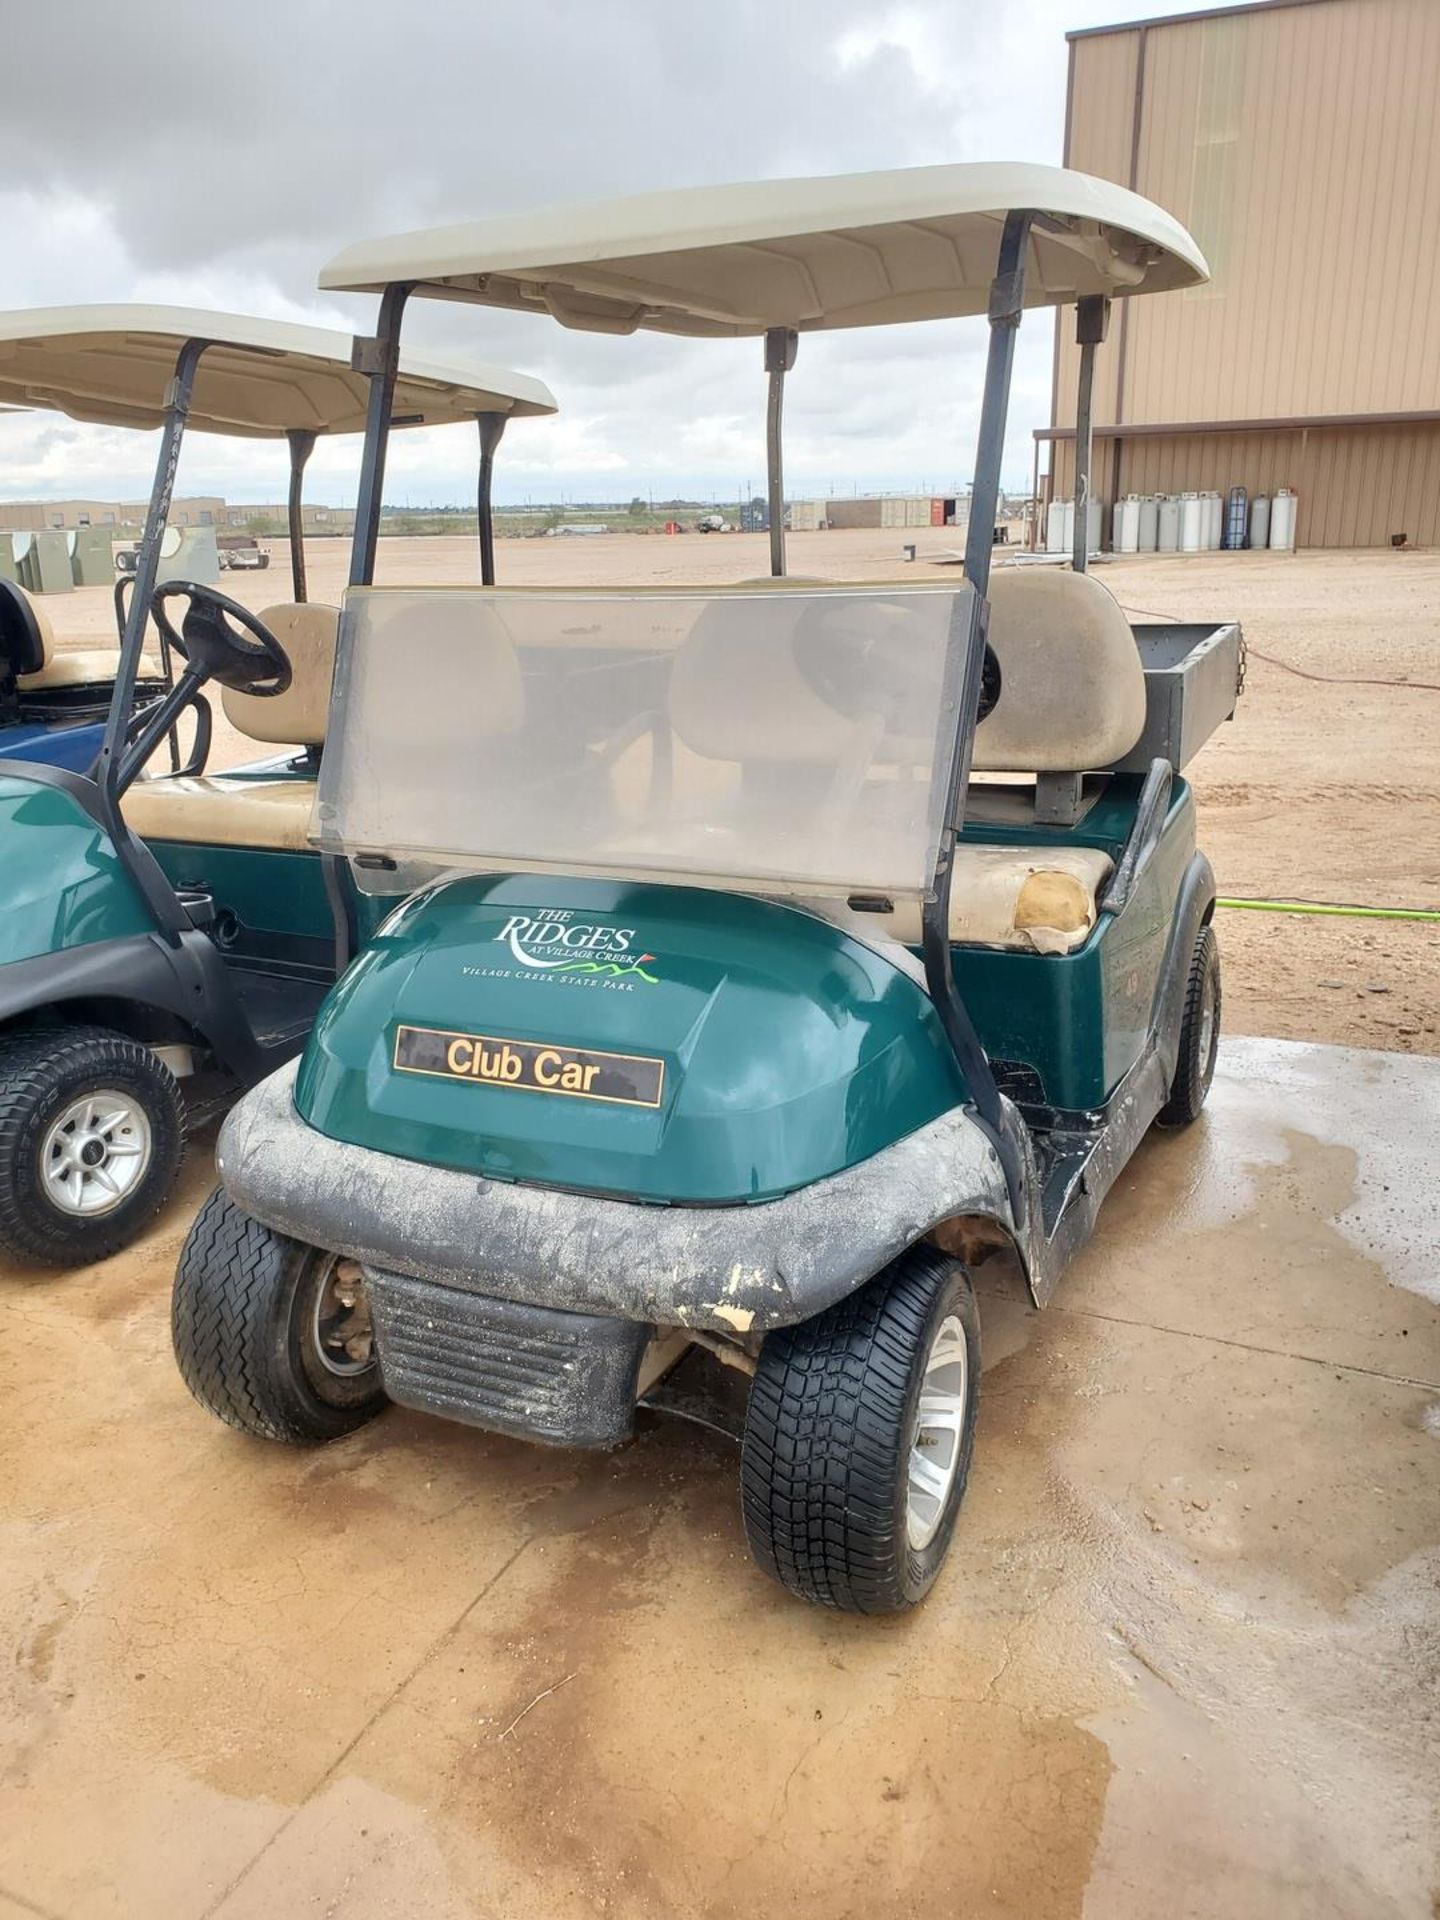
(1301, 145)
(1357, 485)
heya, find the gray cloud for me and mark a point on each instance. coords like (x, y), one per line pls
(219, 156)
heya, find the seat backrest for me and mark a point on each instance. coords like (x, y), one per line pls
(1072, 689)
(298, 716)
(747, 699)
(776, 693)
(26, 638)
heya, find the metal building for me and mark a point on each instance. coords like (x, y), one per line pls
(1299, 140)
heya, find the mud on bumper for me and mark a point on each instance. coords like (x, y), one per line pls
(737, 1270)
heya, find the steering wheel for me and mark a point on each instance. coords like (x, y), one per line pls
(257, 665)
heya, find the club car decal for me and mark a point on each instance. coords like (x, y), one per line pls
(582, 1073)
(554, 941)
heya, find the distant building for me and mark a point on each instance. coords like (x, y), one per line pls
(275, 515)
(878, 510)
(127, 518)
(40, 516)
(1300, 143)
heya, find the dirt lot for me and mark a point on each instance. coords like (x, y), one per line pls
(1318, 790)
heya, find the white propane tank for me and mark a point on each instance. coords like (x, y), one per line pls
(1260, 520)
(1055, 527)
(1067, 526)
(1094, 520)
(1282, 521)
(1168, 526)
(1214, 521)
(1147, 536)
(1127, 524)
(1192, 523)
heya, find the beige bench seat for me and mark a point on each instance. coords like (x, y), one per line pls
(1071, 701)
(88, 666)
(230, 810)
(1029, 899)
(217, 811)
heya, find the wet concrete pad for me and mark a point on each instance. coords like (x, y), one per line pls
(1184, 1658)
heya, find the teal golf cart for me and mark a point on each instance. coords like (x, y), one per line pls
(167, 932)
(759, 959)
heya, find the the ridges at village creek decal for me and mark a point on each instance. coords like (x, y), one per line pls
(559, 941)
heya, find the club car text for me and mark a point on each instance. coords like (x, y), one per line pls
(624, 1079)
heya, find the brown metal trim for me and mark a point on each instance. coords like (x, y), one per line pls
(1290, 423)
(1201, 13)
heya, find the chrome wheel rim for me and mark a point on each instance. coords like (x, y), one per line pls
(95, 1153)
(939, 1429)
(1207, 1022)
(340, 1332)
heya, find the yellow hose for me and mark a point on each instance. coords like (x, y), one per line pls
(1327, 907)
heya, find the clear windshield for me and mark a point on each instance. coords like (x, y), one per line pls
(795, 739)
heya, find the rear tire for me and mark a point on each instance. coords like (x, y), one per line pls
(91, 1133)
(248, 1319)
(1199, 1035)
(850, 1487)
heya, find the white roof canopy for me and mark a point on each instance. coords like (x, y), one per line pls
(112, 365)
(853, 250)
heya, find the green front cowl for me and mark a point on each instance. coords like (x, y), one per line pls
(64, 884)
(732, 1049)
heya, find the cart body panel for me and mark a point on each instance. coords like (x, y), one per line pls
(669, 1044)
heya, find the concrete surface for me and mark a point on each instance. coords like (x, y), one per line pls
(1184, 1659)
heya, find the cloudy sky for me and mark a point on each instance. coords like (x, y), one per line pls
(218, 156)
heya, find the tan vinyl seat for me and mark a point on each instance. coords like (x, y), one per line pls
(91, 666)
(1072, 689)
(1031, 899)
(232, 810)
(1071, 700)
(82, 667)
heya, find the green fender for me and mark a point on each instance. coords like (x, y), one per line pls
(64, 885)
(738, 1049)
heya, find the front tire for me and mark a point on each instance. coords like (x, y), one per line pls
(91, 1133)
(272, 1336)
(859, 1436)
(1199, 1035)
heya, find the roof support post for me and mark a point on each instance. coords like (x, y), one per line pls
(1092, 322)
(1007, 300)
(379, 357)
(491, 425)
(302, 445)
(780, 347)
(110, 761)
(132, 642)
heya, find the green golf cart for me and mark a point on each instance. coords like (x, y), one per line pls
(867, 942)
(167, 933)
